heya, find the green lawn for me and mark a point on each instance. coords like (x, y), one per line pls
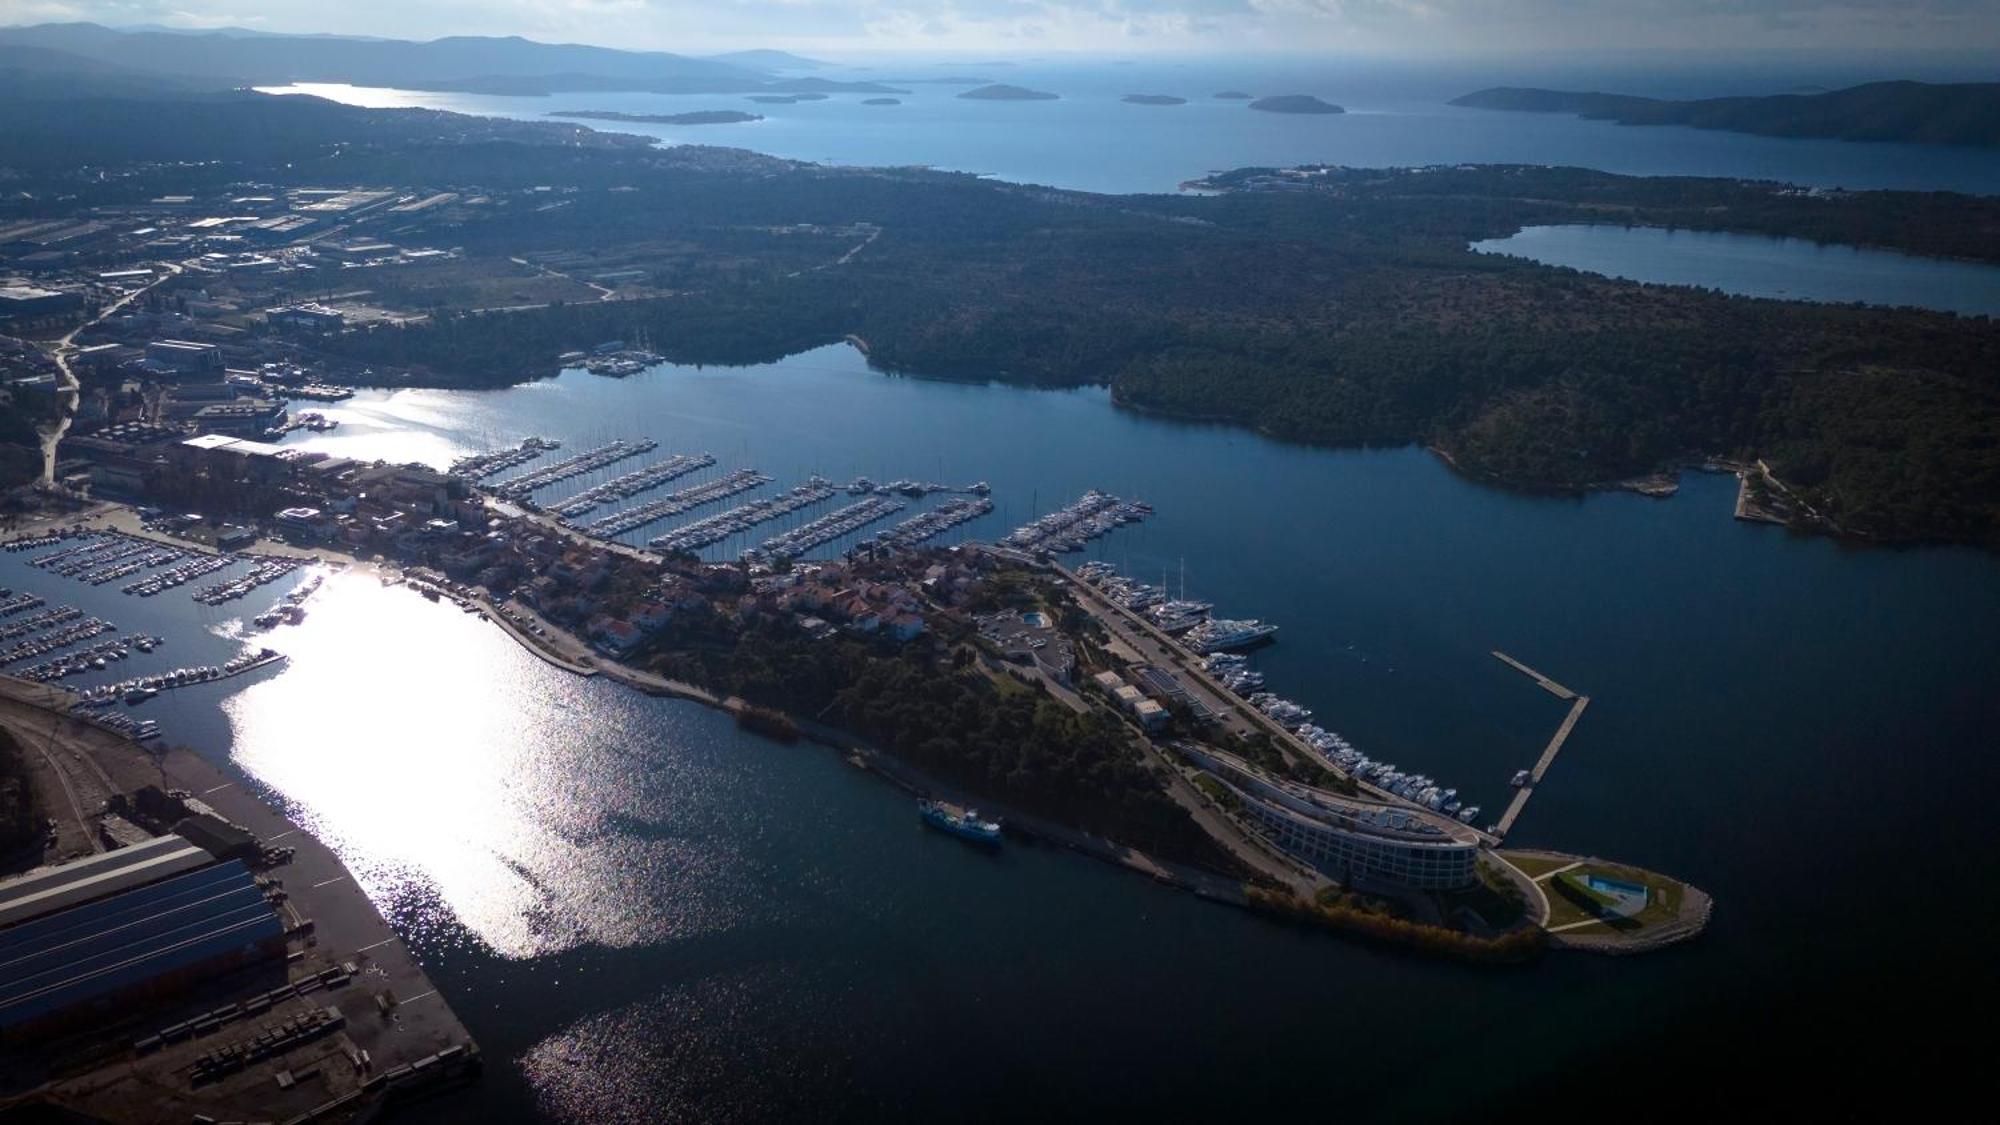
(1570, 901)
(1533, 866)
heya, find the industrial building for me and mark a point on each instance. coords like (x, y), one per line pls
(184, 357)
(138, 945)
(306, 318)
(251, 417)
(24, 305)
(232, 458)
(128, 926)
(53, 888)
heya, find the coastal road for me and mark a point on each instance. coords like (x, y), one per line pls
(1233, 838)
(64, 346)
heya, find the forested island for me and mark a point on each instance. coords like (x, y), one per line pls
(1153, 99)
(1234, 96)
(1295, 103)
(1918, 112)
(1003, 92)
(698, 117)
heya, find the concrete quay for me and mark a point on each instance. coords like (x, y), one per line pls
(390, 1015)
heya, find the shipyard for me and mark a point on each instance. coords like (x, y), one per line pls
(294, 1000)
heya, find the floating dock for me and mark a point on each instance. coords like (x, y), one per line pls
(1577, 705)
(1548, 685)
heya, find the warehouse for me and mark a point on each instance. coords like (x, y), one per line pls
(78, 964)
(25, 305)
(48, 889)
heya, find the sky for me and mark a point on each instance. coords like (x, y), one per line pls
(1401, 27)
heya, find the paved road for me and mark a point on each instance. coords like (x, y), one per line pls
(1156, 648)
(52, 441)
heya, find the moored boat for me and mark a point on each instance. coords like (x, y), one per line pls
(965, 824)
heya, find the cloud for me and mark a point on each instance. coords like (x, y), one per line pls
(1083, 25)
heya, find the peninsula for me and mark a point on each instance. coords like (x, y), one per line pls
(698, 117)
(1914, 112)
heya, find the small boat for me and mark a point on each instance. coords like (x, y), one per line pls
(962, 823)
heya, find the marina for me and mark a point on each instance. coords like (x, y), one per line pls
(929, 525)
(825, 529)
(714, 529)
(179, 574)
(69, 642)
(1067, 529)
(480, 466)
(84, 661)
(141, 688)
(522, 488)
(631, 484)
(267, 571)
(38, 622)
(61, 638)
(675, 503)
(1217, 644)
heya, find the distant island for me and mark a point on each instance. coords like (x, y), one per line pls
(698, 117)
(1916, 112)
(786, 99)
(1295, 103)
(1002, 92)
(766, 59)
(1234, 96)
(881, 101)
(1154, 99)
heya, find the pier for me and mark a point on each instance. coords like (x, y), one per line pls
(716, 528)
(519, 488)
(1548, 758)
(480, 466)
(631, 484)
(827, 528)
(1546, 684)
(672, 504)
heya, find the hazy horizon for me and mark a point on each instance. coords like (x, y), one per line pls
(1017, 28)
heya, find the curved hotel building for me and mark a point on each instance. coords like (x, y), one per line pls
(1348, 838)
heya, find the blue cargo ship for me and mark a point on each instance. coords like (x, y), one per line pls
(962, 823)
